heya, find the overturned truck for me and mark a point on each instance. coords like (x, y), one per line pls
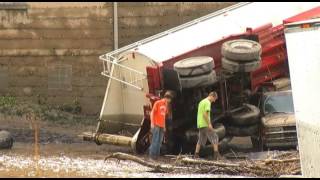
(238, 51)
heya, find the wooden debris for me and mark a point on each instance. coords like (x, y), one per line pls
(155, 166)
(268, 161)
(253, 168)
(206, 162)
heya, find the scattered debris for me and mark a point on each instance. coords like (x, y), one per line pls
(252, 168)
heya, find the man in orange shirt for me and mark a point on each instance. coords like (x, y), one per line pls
(158, 124)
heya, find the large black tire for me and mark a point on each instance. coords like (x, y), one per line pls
(225, 140)
(224, 143)
(242, 131)
(257, 143)
(233, 66)
(198, 81)
(194, 66)
(241, 50)
(220, 130)
(223, 146)
(246, 115)
(6, 140)
(192, 135)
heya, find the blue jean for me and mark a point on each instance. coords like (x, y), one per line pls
(157, 137)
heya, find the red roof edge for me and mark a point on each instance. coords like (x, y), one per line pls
(310, 14)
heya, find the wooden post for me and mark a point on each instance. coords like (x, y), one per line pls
(107, 139)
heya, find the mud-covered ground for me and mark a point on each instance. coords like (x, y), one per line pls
(64, 154)
(67, 161)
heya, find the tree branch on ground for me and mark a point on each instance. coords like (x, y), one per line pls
(155, 166)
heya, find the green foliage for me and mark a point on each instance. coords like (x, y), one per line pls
(75, 107)
(7, 101)
(66, 114)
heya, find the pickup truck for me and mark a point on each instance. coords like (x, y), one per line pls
(278, 123)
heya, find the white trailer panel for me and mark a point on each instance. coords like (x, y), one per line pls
(303, 45)
(226, 23)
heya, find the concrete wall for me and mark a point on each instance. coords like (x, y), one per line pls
(50, 50)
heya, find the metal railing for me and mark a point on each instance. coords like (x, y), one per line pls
(123, 74)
